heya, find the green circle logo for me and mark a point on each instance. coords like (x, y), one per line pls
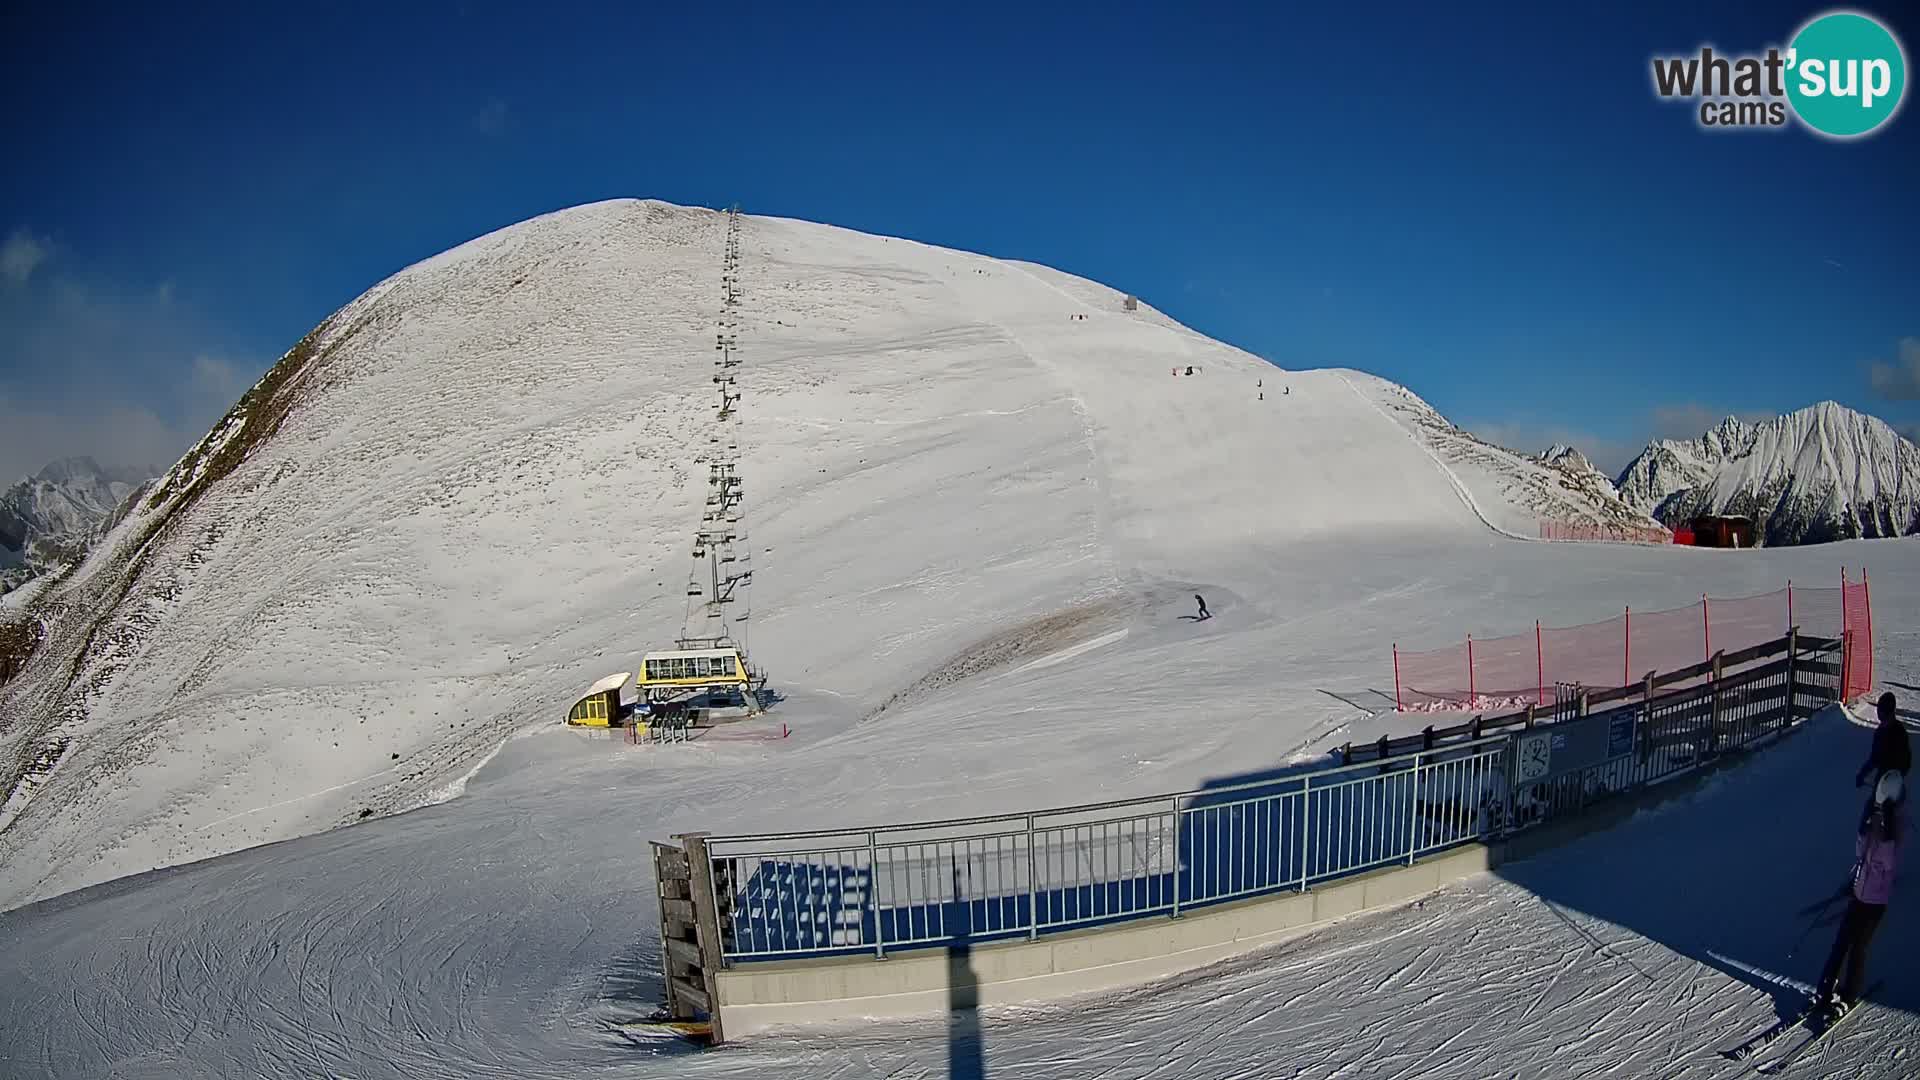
(1846, 74)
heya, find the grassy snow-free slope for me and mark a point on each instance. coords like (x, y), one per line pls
(470, 493)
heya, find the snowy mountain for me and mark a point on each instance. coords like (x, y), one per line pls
(49, 518)
(1822, 473)
(1519, 493)
(471, 492)
(981, 498)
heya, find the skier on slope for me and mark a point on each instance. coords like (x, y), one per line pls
(1891, 752)
(1883, 830)
(1202, 601)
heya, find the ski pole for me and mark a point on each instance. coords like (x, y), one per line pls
(1820, 917)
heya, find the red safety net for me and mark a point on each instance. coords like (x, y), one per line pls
(1521, 669)
(1595, 531)
(1856, 669)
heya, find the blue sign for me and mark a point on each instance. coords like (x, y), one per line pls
(1580, 743)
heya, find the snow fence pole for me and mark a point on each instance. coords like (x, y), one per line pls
(1033, 893)
(1789, 604)
(1866, 597)
(1398, 705)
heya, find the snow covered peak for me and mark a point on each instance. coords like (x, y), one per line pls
(506, 443)
(50, 517)
(1567, 458)
(1824, 472)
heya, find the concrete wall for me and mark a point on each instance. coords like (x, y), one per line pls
(757, 996)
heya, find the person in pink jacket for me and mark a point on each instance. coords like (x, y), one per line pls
(1883, 830)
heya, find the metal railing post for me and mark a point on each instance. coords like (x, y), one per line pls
(1793, 652)
(1033, 886)
(1176, 856)
(873, 897)
(1306, 815)
(1413, 813)
(706, 919)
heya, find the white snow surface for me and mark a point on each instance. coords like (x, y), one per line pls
(509, 932)
(977, 525)
(482, 495)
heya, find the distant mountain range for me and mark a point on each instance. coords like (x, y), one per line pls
(52, 517)
(1821, 473)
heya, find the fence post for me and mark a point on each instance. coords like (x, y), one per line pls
(1306, 815)
(1646, 727)
(1714, 706)
(1176, 856)
(1413, 814)
(1033, 875)
(1789, 605)
(1540, 663)
(1473, 692)
(1626, 654)
(1846, 653)
(1583, 703)
(1706, 626)
(706, 919)
(1398, 705)
(873, 896)
(1793, 694)
(1530, 711)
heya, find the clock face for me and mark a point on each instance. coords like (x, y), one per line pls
(1535, 752)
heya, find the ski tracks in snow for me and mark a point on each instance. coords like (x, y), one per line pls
(1453, 478)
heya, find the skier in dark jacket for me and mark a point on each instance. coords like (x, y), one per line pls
(1204, 613)
(1891, 752)
(1876, 862)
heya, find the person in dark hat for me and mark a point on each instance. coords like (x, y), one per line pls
(1891, 750)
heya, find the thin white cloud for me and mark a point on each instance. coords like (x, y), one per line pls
(1899, 380)
(128, 376)
(214, 384)
(116, 435)
(20, 256)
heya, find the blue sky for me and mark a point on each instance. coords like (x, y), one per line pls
(1493, 209)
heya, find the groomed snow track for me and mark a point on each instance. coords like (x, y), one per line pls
(1639, 951)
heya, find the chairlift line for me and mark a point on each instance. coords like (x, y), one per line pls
(720, 578)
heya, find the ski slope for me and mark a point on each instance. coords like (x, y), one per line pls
(506, 933)
(470, 494)
(978, 524)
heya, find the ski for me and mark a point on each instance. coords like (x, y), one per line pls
(1776, 1067)
(1770, 1036)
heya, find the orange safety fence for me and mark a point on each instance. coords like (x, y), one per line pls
(1856, 665)
(1518, 670)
